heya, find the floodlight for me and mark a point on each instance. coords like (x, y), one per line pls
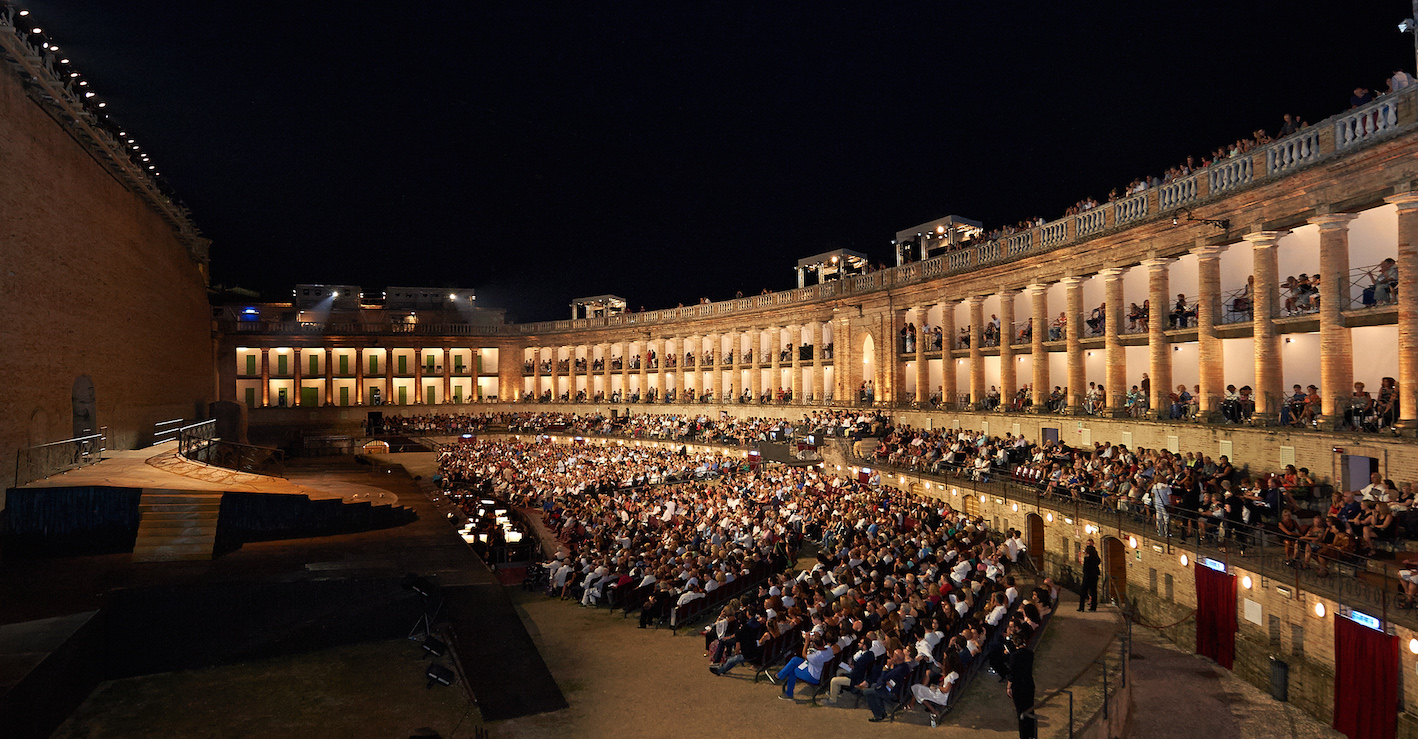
(1407, 25)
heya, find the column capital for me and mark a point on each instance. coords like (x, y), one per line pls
(1004, 292)
(1264, 239)
(1404, 200)
(1207, 251)
(1112, 273)
(975, 300)
(1072, 281)
(1157, 264)
(1333, 221)
(1037, 288)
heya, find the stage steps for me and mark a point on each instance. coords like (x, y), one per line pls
(176, 525)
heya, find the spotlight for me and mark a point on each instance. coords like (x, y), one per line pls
(1406, 26)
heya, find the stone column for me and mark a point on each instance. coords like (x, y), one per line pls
(819, 371)
(1407, 259)
(1265, 266)
(947, 363)
(1077, 379)
(661, 373)
(359, 375)
(537, 372)
(624, 384)
(644, 368)
(923, 369)
(755, 376)
(448, 374)
(1336, 345)
(1116, 381)
(265, 377)
(1159, 347)
(775, 371)
(329, 376)
(1008, 375)
(896, 367)
(1039, 356)
(977, 357)
(795, 333)
(388, 376)
(295, 359)
(418, 377)
(1208, 311)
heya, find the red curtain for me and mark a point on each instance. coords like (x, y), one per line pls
(1365, 681)
(1215, 615)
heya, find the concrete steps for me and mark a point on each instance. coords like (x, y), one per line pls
(176, 525)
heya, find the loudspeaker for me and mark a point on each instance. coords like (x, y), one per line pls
(434, 646)
(439, 674)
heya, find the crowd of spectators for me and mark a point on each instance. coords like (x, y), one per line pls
(904, 597)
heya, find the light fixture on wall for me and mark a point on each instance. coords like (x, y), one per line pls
(1183, 559)
(1246, 582)
(1319, 609)
(1183, 215)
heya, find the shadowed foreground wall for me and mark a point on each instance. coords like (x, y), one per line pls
(92, 282)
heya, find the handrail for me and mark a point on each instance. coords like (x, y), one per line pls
(42, 461)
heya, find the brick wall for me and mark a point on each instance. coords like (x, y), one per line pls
(93, 283)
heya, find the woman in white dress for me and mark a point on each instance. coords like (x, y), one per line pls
(932, 693)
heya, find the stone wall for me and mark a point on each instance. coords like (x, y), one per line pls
(94, 283)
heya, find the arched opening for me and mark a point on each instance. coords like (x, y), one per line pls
(1034, 539)
(1115, 567)
(866, 383)
(85, 406)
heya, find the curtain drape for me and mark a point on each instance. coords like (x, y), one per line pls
(1215, 615)
(1365, 681)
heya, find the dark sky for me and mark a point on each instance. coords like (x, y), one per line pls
(668, 151)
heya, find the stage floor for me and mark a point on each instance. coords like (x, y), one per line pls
(160, 467)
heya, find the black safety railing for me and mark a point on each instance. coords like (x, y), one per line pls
(44, 460)
(199, 442)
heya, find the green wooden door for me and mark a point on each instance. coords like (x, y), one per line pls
(373, 364)
(282, 368)
(403, 364)
(458, 364)
(314, 364)
(457, 393)
(344, 396)
(430, 394)
(344, 364)
(478, 358)
(403, 394)
(428, 363)
(310, 397)
(251, 397)
(250, 364)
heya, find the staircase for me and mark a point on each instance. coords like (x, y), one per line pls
(176, 525)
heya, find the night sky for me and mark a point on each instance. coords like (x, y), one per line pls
(670, 151)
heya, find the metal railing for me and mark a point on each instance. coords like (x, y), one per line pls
(1092, 694)
(199, 442)
(44, 460)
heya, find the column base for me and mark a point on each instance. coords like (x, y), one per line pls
(1407, 427)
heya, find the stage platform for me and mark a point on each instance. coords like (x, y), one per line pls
(269, 598)
(160, 467)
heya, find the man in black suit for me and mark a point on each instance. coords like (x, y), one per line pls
(1021, 686)
(1092, 569)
